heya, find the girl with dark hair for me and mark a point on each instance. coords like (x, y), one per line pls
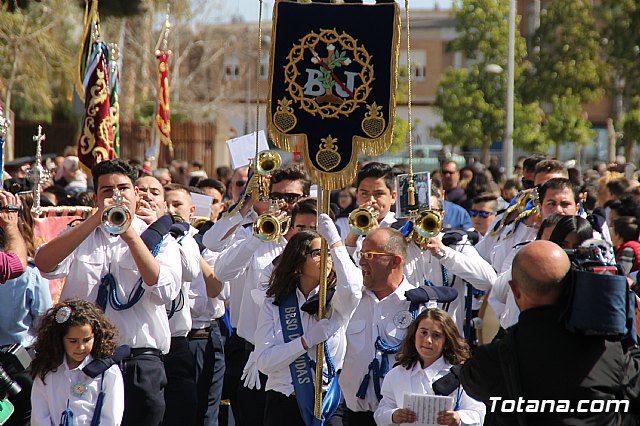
(432, 345)
(70, 336)
(289, 329)
(571, 231)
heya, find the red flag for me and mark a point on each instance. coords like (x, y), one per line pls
(96, 136)
(163, 116)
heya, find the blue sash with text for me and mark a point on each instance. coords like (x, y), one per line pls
(301, 376)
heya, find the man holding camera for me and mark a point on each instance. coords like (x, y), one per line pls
(539, 360)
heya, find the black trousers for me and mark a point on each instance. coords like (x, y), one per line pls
(208, 355)
(144, 383)
(180, 394)
(360, 418)
(247, 405)
(282, 410)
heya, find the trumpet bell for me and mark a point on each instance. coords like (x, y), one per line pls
(269, 227)
(428, 224)
(267, 162)
(116, 219)
(362, 220)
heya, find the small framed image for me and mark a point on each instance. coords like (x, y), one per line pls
(422, 185)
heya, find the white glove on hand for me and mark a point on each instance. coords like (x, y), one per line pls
(250, 374)
(319, 332)
(328, 229)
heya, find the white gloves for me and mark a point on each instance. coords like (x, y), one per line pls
(328, 229)
(319, 332)
(250, 374)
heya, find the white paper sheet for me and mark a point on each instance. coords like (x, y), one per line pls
(243, 148)
(426, 407)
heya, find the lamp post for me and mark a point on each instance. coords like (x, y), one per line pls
(507, 146)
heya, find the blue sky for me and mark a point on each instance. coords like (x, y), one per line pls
(248, 9)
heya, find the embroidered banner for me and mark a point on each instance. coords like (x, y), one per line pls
(96, 135)
(332, 84)
(163, 116)
(114, 98)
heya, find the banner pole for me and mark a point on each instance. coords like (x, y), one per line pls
(324, 201)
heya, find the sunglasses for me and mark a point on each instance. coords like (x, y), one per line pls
(240, 183)
(481, 213)
(290, 198)
(527, 183)
(368, 255)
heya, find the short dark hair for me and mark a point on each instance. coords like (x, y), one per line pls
(548, 222)
(627, 227)
(529, 163)
(176, 187)
(618, 186)
(627, 205)
(558, 184)
(304, 206)
(212, 183)
(551, 166)
(111, 167)
(294, 173)
(377, 170)
(487, 197)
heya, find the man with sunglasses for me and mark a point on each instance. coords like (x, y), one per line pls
(383, 315)
(241, 264)
(483, 210)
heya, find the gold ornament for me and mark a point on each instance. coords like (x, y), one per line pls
(284, 118)
(328, 157)
(373, 123)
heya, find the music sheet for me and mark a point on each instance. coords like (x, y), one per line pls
(426, 407)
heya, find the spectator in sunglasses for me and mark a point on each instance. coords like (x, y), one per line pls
(237, 182)
(483, 212)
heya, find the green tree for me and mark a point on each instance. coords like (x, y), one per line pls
(566, 69)
(472, 100)
(621, 41)
(36, 47)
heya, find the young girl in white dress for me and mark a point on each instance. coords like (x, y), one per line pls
(71, 335)
(432, 345)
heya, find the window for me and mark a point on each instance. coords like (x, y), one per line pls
(231, 67)
(418, 63)
(264, 67)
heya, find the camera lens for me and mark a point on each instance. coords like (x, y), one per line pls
(8, 387)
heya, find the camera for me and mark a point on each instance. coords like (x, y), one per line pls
(13, 359)
(598, 300)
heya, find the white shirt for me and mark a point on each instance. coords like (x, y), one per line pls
(212, 239)
(371, 318)
(180, 322)
(487, 245)
(419, 380)
(504, 251)
(245, 259)
(50, 400)
(275, 356)
(463, 264)
(203, 308)
(145, 325)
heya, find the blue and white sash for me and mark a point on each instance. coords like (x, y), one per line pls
(301, 377)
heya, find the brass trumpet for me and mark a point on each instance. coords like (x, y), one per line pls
(428, 224)
(270, 226)
(117, 218)
(362, 220)
(267, 162)
(198, 221)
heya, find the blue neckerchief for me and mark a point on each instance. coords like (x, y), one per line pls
(176, 305)
(107, 291)
(227, 322)
(380, 368)
(97, 412)
(290, 321)
(445, 282)
(67, 416)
